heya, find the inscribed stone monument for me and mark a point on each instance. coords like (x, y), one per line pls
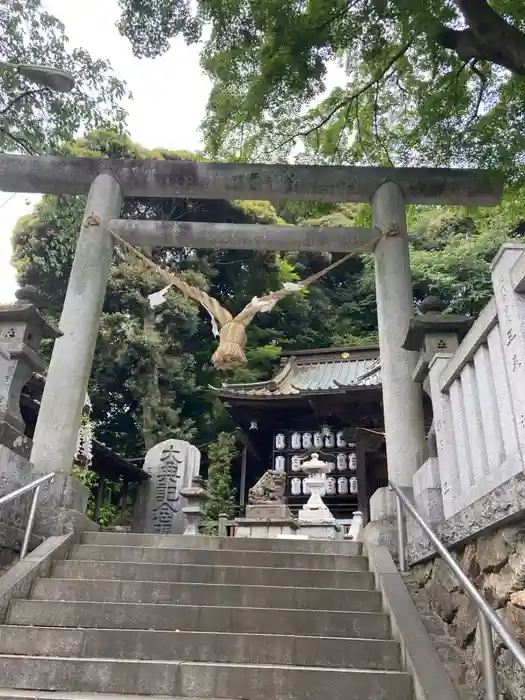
(172, 465)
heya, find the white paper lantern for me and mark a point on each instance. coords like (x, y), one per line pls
(280, 441)
(353, 484)
(307, 440)
(341, 462)
(329, 439)
(318, 440)
(296, 463)
(352, 461)
(280, 463)
(331, 486)
(342, 485)
(296, 486)
(306, 488)
(339, 439)
(296, 441)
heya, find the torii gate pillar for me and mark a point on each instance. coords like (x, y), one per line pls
(402, 397)
(55, 438)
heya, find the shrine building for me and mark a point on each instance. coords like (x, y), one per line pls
(326, 400)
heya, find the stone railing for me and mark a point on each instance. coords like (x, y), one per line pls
(474, 475)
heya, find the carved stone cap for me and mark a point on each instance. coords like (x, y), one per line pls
(433, 320)
(26, 309)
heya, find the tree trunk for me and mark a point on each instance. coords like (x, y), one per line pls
(489, 37)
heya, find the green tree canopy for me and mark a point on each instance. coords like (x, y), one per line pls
(439, 82)
(35, 119)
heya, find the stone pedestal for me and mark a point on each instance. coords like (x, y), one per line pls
(321, 530)
(62, 506)
(427, 491)
(266, 520)
(381, 530)
(172, 466)
(355, 533)
(15, 472)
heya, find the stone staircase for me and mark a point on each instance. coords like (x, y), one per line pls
(203, 618)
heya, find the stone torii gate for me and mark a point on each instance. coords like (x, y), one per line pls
(108, 181)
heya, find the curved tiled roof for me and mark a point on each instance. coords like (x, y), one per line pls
(318, 371)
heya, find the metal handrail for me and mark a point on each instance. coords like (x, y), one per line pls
(33, 486)
(488, 620)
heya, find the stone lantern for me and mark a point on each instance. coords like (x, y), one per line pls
(433, 331)
(315, 519)
(22, 327)
(195, 495)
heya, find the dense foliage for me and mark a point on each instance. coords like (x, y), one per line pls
(35, 119)
(220, 494)
(437, 82)
(152, 372)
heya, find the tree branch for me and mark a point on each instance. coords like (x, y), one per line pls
(483, 83)
(21, 96)
(359, 135)
(376, 126)
(20, 141)
(489, 37)
(349, 99)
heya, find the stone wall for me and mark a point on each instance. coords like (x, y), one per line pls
(496, 564)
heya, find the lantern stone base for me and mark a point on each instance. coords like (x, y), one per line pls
(321, 529)
(274, 527)
(266, 520)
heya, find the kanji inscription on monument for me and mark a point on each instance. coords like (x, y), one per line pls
(166, 489)
(171, 464)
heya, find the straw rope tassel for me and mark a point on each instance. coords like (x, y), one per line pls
(232, 333)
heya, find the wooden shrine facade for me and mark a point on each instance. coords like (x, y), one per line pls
(327, 401)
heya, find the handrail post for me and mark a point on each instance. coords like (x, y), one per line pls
(401, 535)
(30, 523)
(487, 658)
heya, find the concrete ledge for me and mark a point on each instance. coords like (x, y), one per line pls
(17, 582)
(419, 657)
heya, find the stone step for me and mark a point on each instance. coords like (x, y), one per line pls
(236, 575)
(206, 594)
(203, 680)
(42, 613)
(230, 543)
(214, 647)
(213, 557)
(17, 694)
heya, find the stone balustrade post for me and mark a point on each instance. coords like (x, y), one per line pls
(436, 337)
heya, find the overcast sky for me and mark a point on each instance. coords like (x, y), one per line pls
(157, 117)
